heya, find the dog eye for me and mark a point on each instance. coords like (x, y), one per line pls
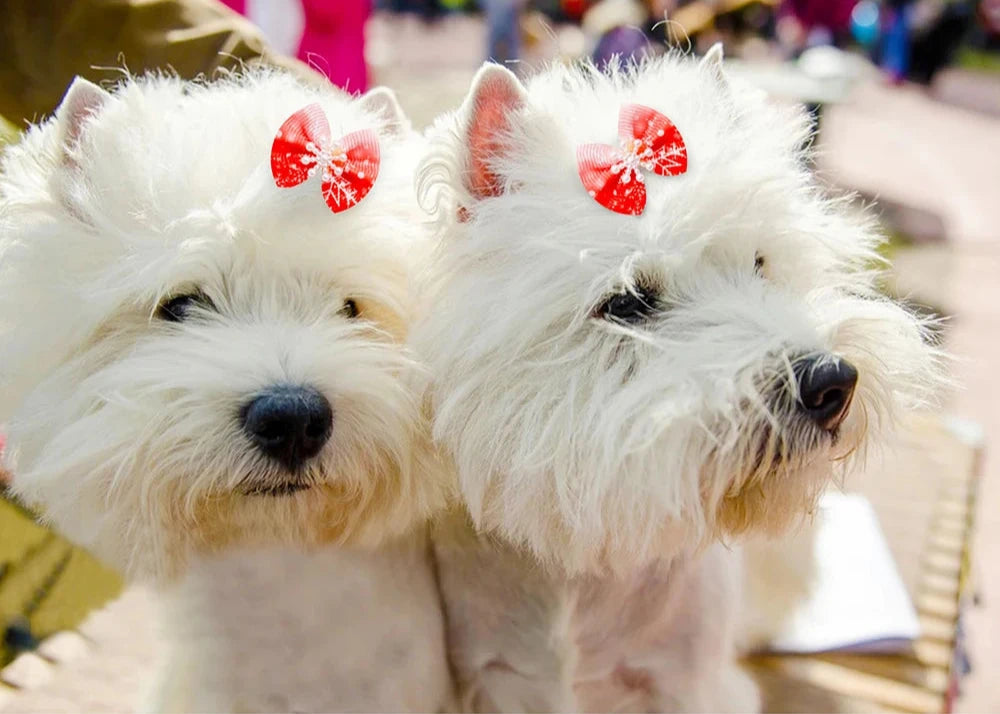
(630, 306)
(180, 307)
(350, 309)
(758, 264)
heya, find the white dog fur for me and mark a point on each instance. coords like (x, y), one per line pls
(339, 629)
(123, 426)
(600, 458)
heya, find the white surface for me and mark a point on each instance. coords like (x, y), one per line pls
(281, 21)
(858, 601)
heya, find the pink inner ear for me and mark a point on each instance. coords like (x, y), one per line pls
(83, 99)
(497, 97)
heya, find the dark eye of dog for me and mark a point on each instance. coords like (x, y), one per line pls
(758, 264)
(630, 306)
(180, 307)
(350, 309)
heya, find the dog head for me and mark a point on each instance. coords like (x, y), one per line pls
(621, 375)
(192, 355)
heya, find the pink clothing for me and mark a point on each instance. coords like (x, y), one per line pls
(239, 6)
(334, 40)
(835, 15)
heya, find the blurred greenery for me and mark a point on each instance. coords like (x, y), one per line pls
(895, 241)
(8, 132)
(44, 580)
(971, 58)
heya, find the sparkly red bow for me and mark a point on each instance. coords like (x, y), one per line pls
(302, 145)
(649, 141)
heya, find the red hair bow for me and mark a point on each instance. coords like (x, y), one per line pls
(349, 166)
(649, 141)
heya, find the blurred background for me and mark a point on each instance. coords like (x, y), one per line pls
(906, 98)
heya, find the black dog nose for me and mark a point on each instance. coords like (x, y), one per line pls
(826, 385)
(289, 424)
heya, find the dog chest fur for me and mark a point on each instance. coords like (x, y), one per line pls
(284, 630)
(526, 639)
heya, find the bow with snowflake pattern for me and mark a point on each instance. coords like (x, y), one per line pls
(348, 166)
(613, 176)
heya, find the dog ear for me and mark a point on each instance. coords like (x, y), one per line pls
(382, 102)
(82, 100)
(712, 63)
(495, 96)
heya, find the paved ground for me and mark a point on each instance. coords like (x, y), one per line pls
(429, 66)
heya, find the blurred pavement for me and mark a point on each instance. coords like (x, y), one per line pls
(429, 66)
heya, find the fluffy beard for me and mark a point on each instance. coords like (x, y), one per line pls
(608, 462)
(145, 462)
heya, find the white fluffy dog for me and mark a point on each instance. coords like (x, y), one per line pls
(650, 331)
(202, 345)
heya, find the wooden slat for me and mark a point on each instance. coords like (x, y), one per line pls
(939, 585)
(853, 683)
(899, 668)
(934, 654)
(945, 564)
(951, 527)
(936, 628)
(943, 607)
(781, 694)
(954, 508)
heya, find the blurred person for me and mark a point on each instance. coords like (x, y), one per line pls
(916, 38)
(503, 29)
(661, 9)
(936, 42)
(988, 13)
(738, 24)
(573, 9)
(622, 41)
(895, 51)
(279, 20)
(45, 43)
(333, 40)
(426, 10)
(805, 23)
(332, 35)
(623, 29)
